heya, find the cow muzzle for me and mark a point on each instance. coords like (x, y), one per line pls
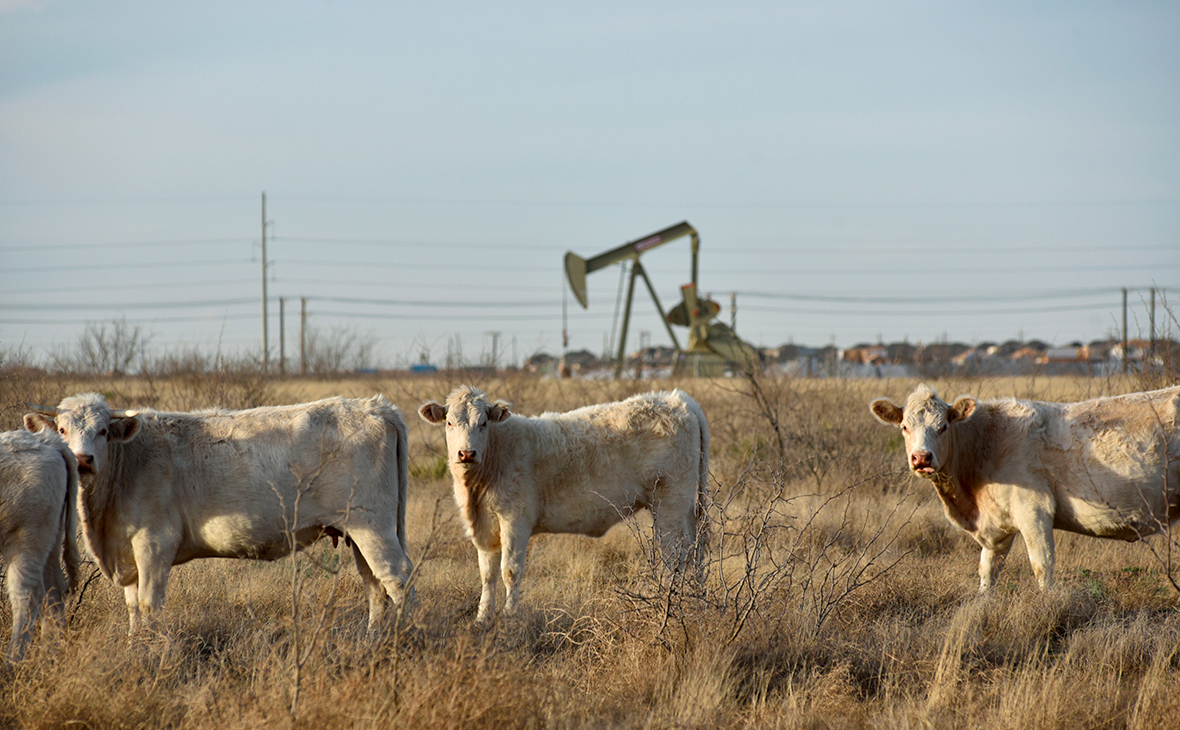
(922, 462)
(85, 463)
(466, 456)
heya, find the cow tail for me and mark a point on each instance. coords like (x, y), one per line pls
(70, 555)
(702, 499)
(403, 479)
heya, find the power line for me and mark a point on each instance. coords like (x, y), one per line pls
(127, 200)
(137, 286)
(545, 303)
(726, 205)
(452, 317)
(143, 320)
(120, 244)
(629, 204)
(442, 264)
(807, 248)
(661, 271)
(419, 244)
(990, 297)
(481, 304)
(131, 305)
(128, 265)
(842, 270)
(391, 284)
(794, 248)
(938, 312)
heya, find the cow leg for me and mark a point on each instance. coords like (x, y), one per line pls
(55, 591)
(388, 568)
(515, 544)
(25, 591)
(1037, 531)
(991, 562)
(489, 570)
(674, 526)
(376, 590)
(153, 560)
(55, 583)
(131, 598)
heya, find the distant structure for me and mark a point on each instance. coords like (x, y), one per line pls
(711, 345)
(904, 360)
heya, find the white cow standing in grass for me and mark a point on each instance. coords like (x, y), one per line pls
(38, 520)
(1108, 467)
(160, 489)
(577, 472)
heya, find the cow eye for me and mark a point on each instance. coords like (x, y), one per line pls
(942, 428)
(62, 431)
(905, 429)
(102, 432)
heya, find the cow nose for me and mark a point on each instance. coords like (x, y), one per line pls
(921, 460)
(85, 462)
(466, 457)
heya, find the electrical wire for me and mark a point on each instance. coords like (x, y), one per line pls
(124, 244)
(128, 265)
(933, 312)
(133, 305)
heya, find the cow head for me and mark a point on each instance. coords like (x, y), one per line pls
(925, 423)
(87, 424)
(467, 415)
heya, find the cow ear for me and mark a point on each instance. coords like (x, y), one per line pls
(886, 412)
(433, 412)
(962, 409)
(499, 411)
(123, 429)
(35, 422)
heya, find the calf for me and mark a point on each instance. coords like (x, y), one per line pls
(38, 519)
(577, 472)
(1108, 467)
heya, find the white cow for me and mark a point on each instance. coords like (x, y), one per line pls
(160, 489)
(1106, 468)
(578, 472)
(38, 520)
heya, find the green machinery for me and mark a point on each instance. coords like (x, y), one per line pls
(710, 344)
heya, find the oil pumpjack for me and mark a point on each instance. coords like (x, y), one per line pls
(711, 345)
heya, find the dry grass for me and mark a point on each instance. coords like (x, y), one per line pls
(837, 596)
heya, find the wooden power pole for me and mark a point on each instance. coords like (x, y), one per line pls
(282, 335)
(1126, 352)
(303, 335)
(265, 339)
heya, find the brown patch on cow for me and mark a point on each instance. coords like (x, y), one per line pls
(475, 495)
(960, 500)
(970, 451)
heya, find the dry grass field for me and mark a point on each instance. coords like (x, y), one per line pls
(838, 596)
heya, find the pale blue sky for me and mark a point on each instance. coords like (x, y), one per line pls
(979, 171)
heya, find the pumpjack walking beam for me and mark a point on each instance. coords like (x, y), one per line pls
(576, 269)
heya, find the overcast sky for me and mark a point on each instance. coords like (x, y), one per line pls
(857, 171)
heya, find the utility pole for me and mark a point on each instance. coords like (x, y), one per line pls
(282, 335)
(1126, 352)
(265, 332)
(733, 311)
(1152, 323)
(303, 336)
(495, 345)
